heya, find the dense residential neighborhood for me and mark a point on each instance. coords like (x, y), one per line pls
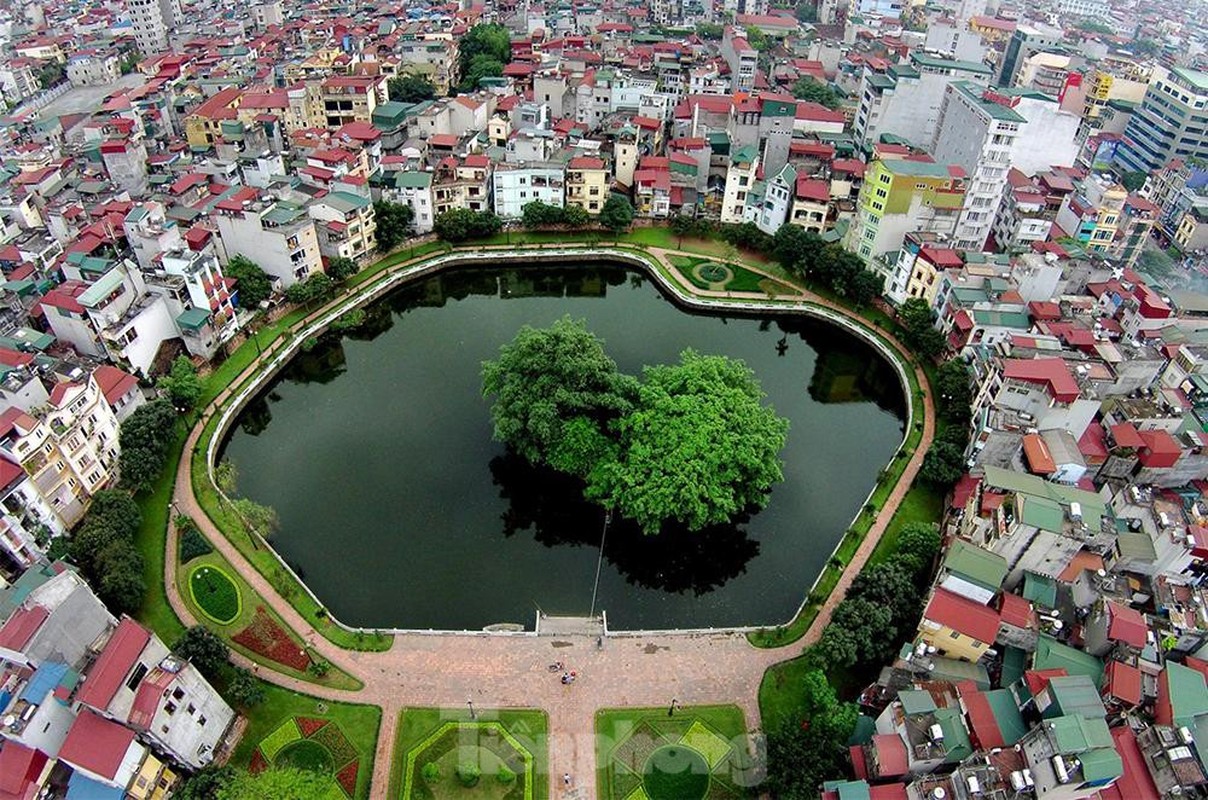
(1015, 191)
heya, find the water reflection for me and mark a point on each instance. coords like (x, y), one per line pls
(551, 505)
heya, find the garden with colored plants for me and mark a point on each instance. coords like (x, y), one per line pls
(219, 595)
(335, 740)
(680, 753)
(447, 754)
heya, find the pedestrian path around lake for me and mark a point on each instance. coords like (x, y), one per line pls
(511, 670)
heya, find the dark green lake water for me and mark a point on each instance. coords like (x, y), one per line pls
(399, 510)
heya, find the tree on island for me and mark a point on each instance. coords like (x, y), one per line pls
(692, 442)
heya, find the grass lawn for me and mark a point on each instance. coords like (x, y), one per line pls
(250, 602)
(359, 725)
(663, 754)
(528, 727)
(151, 540)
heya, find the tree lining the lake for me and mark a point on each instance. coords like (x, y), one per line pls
(692, 442)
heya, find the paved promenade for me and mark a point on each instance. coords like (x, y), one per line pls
(496, 671)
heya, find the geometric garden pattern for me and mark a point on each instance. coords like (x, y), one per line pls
(488, 743)
(628, 762)
(313, 744)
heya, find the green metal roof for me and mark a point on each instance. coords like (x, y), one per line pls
(744, 154)
(412, 180)
(997, 111)
(976, 565)
(1187, 692)
(1023, 483)
(957, 746)
(345, 201)
(1076, 734)
(1052, 654)
(1006, 714)
(1041, 512)
(1040, 590)
(924, 60)
(1101, 765)
(193, 318)
(1136, 545)
(102, 288)
(955, 671)
(1014, 662)
(1076, 695)
(915, 701)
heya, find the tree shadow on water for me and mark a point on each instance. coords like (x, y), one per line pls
(552, 506)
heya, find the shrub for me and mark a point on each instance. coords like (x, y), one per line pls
(505, 775)
(431, 772)
(319, 668)
(468, 773)
(192, 543)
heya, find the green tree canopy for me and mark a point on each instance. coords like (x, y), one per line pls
(482, 53)
(181, 383)
(254, 284)
(280, 784)
(954, 390)
(103, 548)
(919, 333)
(701, 447)
(317, 286)
(144, 439)
(812, 91)
(394, 222)
(341, 269)
(546, 378)
(617, 214)
(802, 753)
(461, 224)
(204, 649)
(410, 89)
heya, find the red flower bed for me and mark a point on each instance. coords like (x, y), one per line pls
(308, 725)
(265, 637)
(258, 764)
(347, 778)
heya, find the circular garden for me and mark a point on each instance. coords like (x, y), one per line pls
(469, 760)
(314, 744)
(647, 755)
(215, 593)
(713, 273)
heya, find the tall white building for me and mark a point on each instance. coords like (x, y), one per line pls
(152, 20)
(987, 132)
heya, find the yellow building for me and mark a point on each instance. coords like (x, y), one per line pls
(1126, 82)
(204, 124)
(347, 99)
(154, 780)
(587, 183)
(315, 65)
(901, 197)
(958, 627)
(992, 29)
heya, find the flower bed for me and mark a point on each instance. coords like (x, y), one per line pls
(265, 637)
(347, 777)
(310, 743)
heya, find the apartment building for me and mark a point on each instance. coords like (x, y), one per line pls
(278, 235)
(587, 183)
(345, 225)
(1171, 122)
(462, 184)
(900, 197)
(740, 180)
(346, 98)
(514, 185)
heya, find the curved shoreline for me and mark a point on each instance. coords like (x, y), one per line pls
(683, 297)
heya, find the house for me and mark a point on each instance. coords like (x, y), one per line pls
(958, 627)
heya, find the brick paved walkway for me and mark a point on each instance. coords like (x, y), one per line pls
(511, 671)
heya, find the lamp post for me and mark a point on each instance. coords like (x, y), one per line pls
(599, 562)
(473, 715)
(671, 708)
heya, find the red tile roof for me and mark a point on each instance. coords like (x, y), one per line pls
(20, 768)
(1123, 681)
(1125, 435)
(146, 701)
(963, 615)
(891, 755)
(1040, 460)
(96, 744)
(1160, 449)
(1053, 372)
(812, 189)
(1015, 610)
(983, 725)
(115, 662)
(1126, 625)
(1135, 783)
(22, 626)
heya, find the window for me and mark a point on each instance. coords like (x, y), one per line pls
(191, 709)
(170, 708)
(955, 635)
(136, 677)
(201, 721)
